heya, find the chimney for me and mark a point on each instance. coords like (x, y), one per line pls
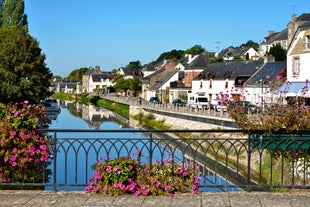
(270, 32)
(294, 18)
(269, 59)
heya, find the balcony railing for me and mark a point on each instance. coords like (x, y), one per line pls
(227, 159)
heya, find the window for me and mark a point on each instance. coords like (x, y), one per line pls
(296, 65)
(307, 42)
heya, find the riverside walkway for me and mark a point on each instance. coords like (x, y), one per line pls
(75, 198)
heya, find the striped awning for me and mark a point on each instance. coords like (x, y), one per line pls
(291, 89)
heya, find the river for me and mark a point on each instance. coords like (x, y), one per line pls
(77, 116)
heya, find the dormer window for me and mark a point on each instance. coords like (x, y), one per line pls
(307, 42)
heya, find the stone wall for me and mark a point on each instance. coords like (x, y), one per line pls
(179, 121)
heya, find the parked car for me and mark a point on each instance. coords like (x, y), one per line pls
(218, 105)
(178, 102)
(247, 106)
(154, 100)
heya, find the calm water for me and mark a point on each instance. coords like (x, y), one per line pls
(89, 117)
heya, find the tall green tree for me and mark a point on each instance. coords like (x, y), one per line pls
(12, 13)
(278, 52)
(23, 72)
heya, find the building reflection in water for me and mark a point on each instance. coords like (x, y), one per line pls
(94, 116)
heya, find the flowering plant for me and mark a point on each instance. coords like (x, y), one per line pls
(125, 176)
(283, 113)
(23, 149)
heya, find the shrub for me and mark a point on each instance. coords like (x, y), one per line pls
(125, 176)
(289, 114)
(23, 150)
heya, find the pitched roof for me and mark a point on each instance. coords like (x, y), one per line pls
(166, 75)
(276, 36)
(202, 61)
(104, 75)
(304, 17)
(230, 70)
(269, 71)
(132, 71)
(150, 67)
(239, 51)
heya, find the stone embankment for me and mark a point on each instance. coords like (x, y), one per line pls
(183, 121)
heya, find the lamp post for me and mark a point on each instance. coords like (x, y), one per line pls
(262, 98)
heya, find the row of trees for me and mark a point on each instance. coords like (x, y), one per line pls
(23, 72)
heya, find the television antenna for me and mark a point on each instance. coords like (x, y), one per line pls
(217, 45)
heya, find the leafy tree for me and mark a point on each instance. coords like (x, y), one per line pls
(134, 64)
(173, 54)
(77, 74)
(195, 50)
(23, 73)
(56, 78)
(277, 52)
(250, 43)
(12, 13)
(121, 84)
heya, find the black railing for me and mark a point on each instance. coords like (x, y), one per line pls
(228, 159)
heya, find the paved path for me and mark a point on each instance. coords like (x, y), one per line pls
(69, 198)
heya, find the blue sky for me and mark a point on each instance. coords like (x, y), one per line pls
(111, 33)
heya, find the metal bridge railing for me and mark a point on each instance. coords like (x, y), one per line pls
(228, 159)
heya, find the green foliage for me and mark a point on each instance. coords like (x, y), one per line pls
(149, 122)
(119, 108)
(134, 64)
(216, 59)
(250, 43)
(12, 14)
(24, 151)
(195, 50)
(23, 73)
(133, 84)
(173, 54)
(237, 57)
(56, 78)
(77, 74)
(124, 176)
(277, 52)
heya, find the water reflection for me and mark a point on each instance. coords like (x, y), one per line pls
(74, 162)
(94, 117)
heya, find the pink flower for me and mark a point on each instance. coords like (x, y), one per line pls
(153, 180)
(146, 192)
(13, 164)
(13, 133)
(105, 190)
(138, 192)
(170, 195)
(14, 150)
(167, 187)
(115, 169)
